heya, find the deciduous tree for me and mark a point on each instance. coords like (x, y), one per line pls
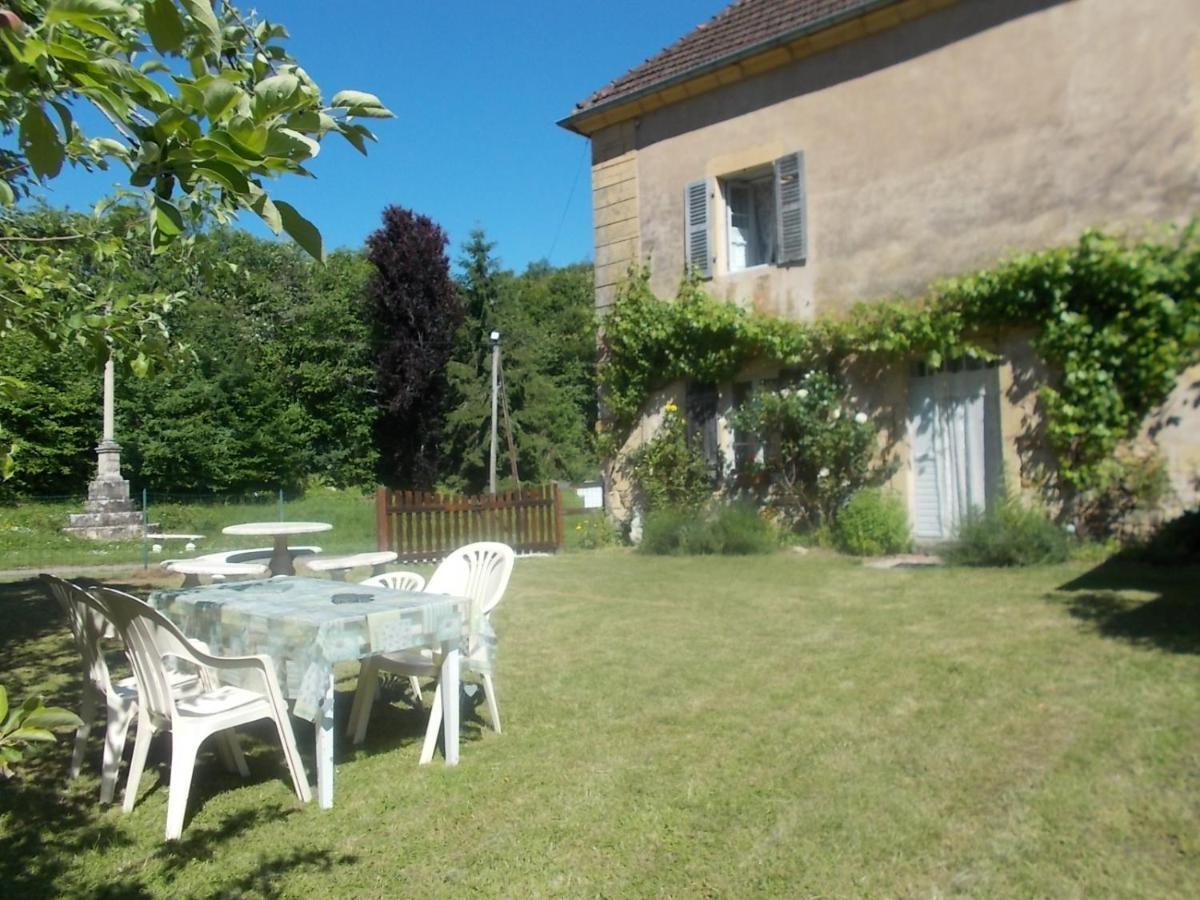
(415, 312)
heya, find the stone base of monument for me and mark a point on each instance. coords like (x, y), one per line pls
(109, 513)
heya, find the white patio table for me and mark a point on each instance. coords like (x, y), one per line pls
(306, 625)
(281, 560)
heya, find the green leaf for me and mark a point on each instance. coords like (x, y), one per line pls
(167, 31)
(167, 218)
(290, 144)
(225, 174)
(6, 199)
(80, 11)
(248, 133)
(207, 24)
(268, 213)
(275, 94)
(40, 143)
(219, 96)
(52, 717)
(31, 734)
(302, 231)
(358, 103)
(3, 703)
(65, 46)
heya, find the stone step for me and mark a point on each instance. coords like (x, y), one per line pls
(93, 519)
(107, 532)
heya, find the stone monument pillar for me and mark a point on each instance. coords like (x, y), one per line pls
(109, 513)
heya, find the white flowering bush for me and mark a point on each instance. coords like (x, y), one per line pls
(818, 450)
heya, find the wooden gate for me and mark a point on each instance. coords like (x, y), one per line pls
(424, 527)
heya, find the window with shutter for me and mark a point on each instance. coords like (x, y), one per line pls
(791, 209)
(695, 210)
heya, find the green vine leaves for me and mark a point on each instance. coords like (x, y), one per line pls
(1119, 321)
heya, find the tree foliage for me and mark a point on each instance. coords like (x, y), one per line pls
(545, 320)
(415, 311)
(275, 388)
(202, 105)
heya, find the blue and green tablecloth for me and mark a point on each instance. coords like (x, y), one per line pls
(297, 622)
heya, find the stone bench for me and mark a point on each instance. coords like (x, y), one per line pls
(192, 569)
(338, 566)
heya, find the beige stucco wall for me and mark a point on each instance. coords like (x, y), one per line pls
(932, 148)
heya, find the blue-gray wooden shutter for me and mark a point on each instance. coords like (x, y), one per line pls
(791, 209)
(698, 256)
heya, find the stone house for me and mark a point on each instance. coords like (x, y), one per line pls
(806, 155)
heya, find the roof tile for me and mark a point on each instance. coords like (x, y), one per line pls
(741, 25)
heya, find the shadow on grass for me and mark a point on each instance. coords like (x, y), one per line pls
(45, 821)
(401, 728)
(1112, 599)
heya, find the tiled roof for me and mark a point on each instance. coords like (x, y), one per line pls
(741, 26)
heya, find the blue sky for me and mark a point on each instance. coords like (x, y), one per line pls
(477, 88)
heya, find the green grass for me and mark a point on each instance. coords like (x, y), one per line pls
(786, 725)
(31, 531)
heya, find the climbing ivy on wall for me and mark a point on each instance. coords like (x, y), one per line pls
(1118, 320)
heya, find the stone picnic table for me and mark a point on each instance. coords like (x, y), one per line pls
(281, 560)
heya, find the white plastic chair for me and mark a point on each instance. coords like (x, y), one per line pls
(149, 639)
(90, 627)
(401, 581)
(397, 581)
(479, 571)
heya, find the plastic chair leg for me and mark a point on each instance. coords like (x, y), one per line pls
(87, 712)
(183, 761)
(291, 756)
(233, 747)
(415, 683)
(141, 747)
(364, 699)
(489, 688)
(116, 730)
(434, 726)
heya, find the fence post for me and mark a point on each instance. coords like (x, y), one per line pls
(281, 504)
(145, 524)
(382, 532)
(558, 517)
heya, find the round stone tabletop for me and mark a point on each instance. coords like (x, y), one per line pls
(277, 528)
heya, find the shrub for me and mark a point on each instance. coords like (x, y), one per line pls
(739, 530)
(872, 524)
(1008, 535)
(594, 532)
(726, 529)
(668, 472)
(819, 451)
(662, 530)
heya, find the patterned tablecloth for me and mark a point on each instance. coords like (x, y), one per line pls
(297, 622)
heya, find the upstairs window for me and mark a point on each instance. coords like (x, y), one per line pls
(750, 220)
(765, 219)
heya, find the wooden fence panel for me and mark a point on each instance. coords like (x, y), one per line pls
(424, 527)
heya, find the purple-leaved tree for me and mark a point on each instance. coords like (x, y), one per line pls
(416, 311)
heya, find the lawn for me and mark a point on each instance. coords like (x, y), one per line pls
(791, 725)
(31, 530)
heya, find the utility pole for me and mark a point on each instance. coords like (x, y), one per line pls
(495, 378)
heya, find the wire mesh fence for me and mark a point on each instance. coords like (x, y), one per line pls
(32, 534)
